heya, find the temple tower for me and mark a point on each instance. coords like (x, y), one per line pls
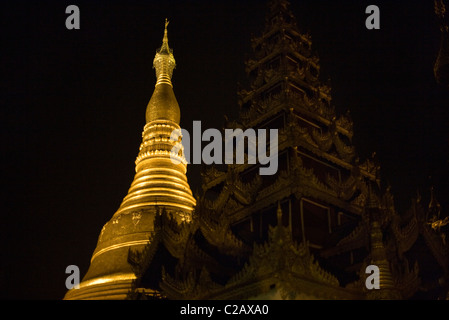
(159, 185)
(316, 198)
(320, 182)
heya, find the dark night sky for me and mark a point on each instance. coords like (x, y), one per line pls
(73, 107)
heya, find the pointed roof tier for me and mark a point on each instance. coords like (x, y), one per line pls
(284, 78)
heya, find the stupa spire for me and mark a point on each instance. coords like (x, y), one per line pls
(163, 104)
(164, 61)
(165, 46)
(379, 256)
(159, 187)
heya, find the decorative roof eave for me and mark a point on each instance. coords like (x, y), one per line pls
(247, 96)
(196, 285)
(408, 283)
(255, 41)
(195, 256)
(176, 241)
(358, 238)
(287, 184)
(439, 251)
(289, 266)
(212, 177)
(275, 108)
(217, 204)
(178, 289)
(141, 260)
(417, 225)
(218, 233)
(314, 109)
(311, 146)
(254, 116)
(316, 150)
(289, 286)
(164, 233)
(252, 64)
(244, 193)
(407, 235)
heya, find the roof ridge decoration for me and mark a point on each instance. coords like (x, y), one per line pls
(283, 258)
(217, 232)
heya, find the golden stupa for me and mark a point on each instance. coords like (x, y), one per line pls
(160, 183)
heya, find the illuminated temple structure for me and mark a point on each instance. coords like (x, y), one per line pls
(159, 184)
(307, 232)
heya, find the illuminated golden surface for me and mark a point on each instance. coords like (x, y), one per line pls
(114, 286)
(163, 103)
(159, 182)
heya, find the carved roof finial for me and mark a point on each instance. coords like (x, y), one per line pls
(165, 46)
(279, 214)
(163, 103)
(434, 205)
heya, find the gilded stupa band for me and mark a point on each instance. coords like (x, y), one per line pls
(159, 183)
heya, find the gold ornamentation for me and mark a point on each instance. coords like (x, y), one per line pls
(159, 182)
(284, 260)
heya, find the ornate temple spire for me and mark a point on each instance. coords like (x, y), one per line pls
(165, 46)
(279, 214)
(434, 205)
(434, 212)
(279, 13)
(159, 187)
(164, 62)
(378, 251)
(163, 104)
(166, 183)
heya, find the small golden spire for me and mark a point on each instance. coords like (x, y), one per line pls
(433, 203)
(164, 61)
(434, 206)
(163, 104)
(279, 213)
(165, 47)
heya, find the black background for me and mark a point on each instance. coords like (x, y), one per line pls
(73, 107)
